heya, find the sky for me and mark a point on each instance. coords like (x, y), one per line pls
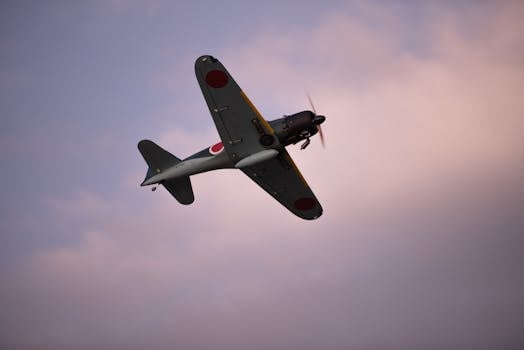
(421, 244)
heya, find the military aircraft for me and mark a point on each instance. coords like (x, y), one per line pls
(249, 143)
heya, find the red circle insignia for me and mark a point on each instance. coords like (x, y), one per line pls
(216, 148)
(216, 79)
(305, 203)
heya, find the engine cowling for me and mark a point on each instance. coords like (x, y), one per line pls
(295, 128)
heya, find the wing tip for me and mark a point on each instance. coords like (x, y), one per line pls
(205, 58)
(310, 215)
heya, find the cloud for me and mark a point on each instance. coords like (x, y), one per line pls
(388, 276)
(398, 116)
(418, 246)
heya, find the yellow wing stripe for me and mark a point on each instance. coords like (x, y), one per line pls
(292, 163)
(270, 130)
(261, 119)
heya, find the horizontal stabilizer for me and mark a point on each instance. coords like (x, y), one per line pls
(180, 189)
(157, 158)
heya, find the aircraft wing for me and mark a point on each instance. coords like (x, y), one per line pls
(238, 122)
(281, 178)
(241, 128)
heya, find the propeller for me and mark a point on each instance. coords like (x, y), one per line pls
(318, 119)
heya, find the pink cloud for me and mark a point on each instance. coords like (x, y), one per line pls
(394, 118)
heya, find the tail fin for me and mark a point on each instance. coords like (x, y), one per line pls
(158, 160)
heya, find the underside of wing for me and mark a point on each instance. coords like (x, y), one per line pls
(281, 179)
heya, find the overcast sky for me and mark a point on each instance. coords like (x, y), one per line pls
(421, 244)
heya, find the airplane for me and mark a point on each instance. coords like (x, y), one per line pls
(248, 142)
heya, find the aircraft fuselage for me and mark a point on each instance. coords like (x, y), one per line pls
(289, 130)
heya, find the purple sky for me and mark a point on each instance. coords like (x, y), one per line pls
(421, 245)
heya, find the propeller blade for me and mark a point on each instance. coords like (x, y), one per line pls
(311, 103)
(321, 134)
(319, 128)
